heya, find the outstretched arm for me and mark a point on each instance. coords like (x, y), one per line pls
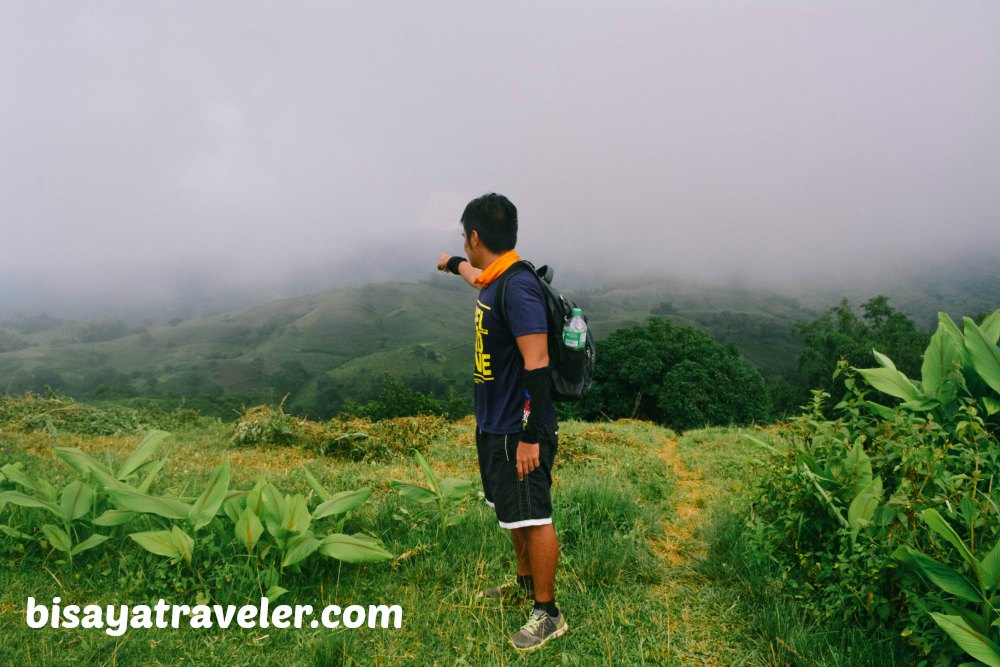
(465, 269)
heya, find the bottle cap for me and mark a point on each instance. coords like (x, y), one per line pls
(577, 312)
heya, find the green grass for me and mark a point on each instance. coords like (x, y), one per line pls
(613, 498)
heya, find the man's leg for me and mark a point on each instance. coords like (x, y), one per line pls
(521, 551)
(542, 554)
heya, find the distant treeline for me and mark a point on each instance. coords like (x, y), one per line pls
(664, 371)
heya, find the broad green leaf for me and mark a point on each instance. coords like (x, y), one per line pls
(862, 508)
(413, 492)
(133, 501)
(314, 484)
(114, 518)
(991, 404)
(890, 381)
(955, 335)
(860, 466)
(234, 504)
(990, 568)
(936, 522)
(429, 475)
(456, 489)
(76, 500)
(184, 542)
(249, 529)
(275, 592)
(87, 465)
(943, 576)
(90, 543)
(14, 473)
(159, 542)
(922, 405)
(58, 538)
(880, 410)
(207, 505)
(24, 500)
(883, 360)
(342, 502)
(985, 355)
(296, 517)
(150, 476)
(354, 548)
(974, 643)
(975, 620)
(255, 497)
(991, 327)
(940, 358)
(143, 452)
(300, 547)
(272, 508)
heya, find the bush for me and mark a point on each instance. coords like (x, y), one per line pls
(849, 510)
(675, 376)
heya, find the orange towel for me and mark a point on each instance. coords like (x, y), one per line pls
(494, 270)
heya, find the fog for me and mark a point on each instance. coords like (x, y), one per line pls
(160, 151)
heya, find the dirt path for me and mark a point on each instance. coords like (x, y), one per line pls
(703, 627)
(680, 544)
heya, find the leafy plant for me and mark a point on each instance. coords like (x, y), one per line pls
(441, 497)
(976, 630)
(69, 506)
(958, 366)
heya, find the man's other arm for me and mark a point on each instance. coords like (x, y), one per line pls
(465, 269)
(535, 352)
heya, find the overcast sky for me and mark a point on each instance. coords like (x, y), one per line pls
(246, 143)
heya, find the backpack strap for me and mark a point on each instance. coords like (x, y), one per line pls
(518, 267)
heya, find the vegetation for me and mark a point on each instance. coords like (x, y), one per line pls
(675, 376)
(614, 495)
(840, 333)
(883, 518)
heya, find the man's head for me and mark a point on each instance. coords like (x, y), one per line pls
(490, 220)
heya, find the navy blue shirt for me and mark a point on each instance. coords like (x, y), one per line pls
(499, 397)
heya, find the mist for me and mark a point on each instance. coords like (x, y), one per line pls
(158, 152)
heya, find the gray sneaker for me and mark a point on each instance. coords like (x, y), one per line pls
(539, 629)
(509, 591)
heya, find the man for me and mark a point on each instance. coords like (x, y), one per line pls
(516, 429)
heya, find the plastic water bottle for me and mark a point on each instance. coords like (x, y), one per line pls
(575, 331)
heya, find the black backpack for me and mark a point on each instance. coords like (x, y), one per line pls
(572, 370)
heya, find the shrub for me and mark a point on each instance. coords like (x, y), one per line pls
(852, 510)
(675, 376)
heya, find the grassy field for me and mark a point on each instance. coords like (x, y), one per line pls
(632, 501)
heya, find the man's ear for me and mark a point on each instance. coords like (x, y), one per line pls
(474, 239)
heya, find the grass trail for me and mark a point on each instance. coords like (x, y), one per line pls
(703, 623)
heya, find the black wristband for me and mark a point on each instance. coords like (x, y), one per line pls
(454, 262)
(537, 385)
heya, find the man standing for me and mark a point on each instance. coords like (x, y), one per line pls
(516, 429)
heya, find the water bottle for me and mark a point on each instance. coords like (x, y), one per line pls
(575, 331)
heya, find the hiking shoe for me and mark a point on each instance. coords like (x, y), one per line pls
(509, 591)
(539, 629)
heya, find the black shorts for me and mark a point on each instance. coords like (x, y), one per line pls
(524, 503)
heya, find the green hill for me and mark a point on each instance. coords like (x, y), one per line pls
(325, 348)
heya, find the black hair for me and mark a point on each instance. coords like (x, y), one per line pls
(494, 217)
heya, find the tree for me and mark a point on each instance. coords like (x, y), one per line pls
(841, 333)
(676, 376)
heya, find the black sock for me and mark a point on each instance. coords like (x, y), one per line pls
(550, 607)
(526, 582)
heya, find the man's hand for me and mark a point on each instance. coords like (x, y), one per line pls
(527, 459)
(443, 262)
